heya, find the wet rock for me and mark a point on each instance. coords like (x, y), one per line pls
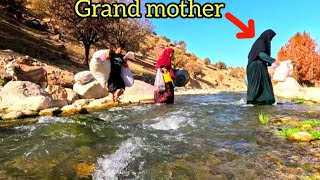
(301, 136)
(133, 99)
(84, 170)
(57, 92)
(73, 109)
(50, 112)
(19, 114)
(100, 106)
(97, 103)
(306, 126)
(92, 90)
(13, 115)
(82, 102)
(71, 96)
(28, 113)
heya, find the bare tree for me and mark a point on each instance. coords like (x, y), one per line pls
(86, 30)
(131, 31)
(183, 45)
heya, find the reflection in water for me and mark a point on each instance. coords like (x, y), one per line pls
(198, 137)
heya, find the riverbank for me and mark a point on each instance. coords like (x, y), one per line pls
(43, 105)
(140, 93)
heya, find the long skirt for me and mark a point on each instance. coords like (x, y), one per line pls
(260, 90)
(165, 97)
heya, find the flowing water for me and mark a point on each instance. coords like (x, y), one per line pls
(199, 137)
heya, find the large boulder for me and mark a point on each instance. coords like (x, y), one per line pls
(290, 88)
(312, 94)
(92, 90)
(290, 84)
(24, 95)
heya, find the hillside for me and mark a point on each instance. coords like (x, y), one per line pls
(25, 34)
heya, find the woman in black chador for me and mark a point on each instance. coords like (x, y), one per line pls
(260, 90)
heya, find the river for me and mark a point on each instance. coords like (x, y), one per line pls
(199, 137)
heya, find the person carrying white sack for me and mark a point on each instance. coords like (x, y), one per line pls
(111, 70)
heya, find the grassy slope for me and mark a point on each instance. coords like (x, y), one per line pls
(67, 54)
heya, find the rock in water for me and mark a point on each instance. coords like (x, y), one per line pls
(301, 136)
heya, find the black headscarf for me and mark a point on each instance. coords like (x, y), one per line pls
(262, 44)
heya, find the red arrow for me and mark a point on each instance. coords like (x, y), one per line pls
(247, 31)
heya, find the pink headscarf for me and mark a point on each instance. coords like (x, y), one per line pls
(165, 60)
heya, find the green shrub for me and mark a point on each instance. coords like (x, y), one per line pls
(264, 118)
(288, 132)
(315, 134)
(309, 122)
(298, 101)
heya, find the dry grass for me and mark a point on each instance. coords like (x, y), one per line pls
(68, 55)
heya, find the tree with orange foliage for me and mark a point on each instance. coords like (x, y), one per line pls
(301, 49)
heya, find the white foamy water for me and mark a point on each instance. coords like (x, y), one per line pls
(112, 117)
(116, 109)
(24, 128)
(112, 165)
(50, 119)
(172, 121)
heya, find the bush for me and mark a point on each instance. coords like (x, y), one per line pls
(40, 7)
(237, 72)
(3, 82)
(194, 69)
(180, 61)
(220, 65)
(166, 39)
(302, 50)
(207, 61)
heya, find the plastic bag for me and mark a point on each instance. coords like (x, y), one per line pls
(129, 56)
(167, 77)
(245, 79)
(159, 84)
(283, 71)
(127, 76)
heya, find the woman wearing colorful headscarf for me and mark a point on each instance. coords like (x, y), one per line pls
(260, 90)
(164, 63)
